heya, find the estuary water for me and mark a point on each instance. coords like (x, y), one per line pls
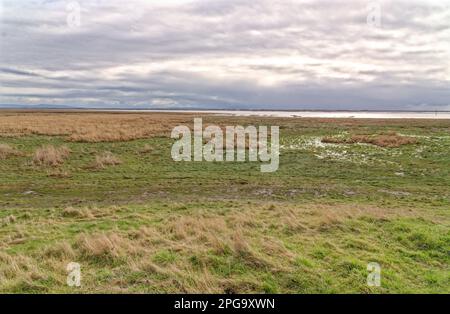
(319, 114)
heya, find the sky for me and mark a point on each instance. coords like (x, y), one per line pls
(226, 54)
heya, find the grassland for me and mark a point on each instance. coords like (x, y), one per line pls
(102, 190)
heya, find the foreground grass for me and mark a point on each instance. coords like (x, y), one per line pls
(226, 247)
(144, 223)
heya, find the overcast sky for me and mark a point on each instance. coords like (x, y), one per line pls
(276, 54)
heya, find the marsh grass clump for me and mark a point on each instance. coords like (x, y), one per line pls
(21, 273)
(104, 246)
(245, 253)
(389, 140)
(7, 151)
(77, 213)
(145, 149)
(62, 250)
(106, 159)
(50, 155)
(393, 140)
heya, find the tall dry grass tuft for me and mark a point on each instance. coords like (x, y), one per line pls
(246, 253)
(104, 246)
(62, 250)
(240, 245)
(71, 212)
(7, 151)
(392, 140)
(106, 159)
(20, 271)
(50, 155)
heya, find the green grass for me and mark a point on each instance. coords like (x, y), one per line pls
(311, 227)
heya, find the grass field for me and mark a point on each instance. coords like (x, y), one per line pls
(102, 190)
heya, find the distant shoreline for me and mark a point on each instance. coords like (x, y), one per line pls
(344, 114)
(38, 108)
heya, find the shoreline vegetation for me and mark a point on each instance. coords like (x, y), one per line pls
(101, 189)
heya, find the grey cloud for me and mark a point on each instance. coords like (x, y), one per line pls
(17, 72)
(233, 53)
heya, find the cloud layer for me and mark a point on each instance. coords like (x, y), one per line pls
(227, 54)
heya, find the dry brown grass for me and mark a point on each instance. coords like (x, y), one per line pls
(106, 159)
(392, 140)
(7, 151)
(85, 126)
(50, 155)
(196, 241)
(19, 269)
(146, 149)
(77, 212)
(91, 126)
(389, 140)
(105, 246)
(62, 250)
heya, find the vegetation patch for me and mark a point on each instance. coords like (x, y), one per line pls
(389, 140)
(49, 155)
(7, 151)
(106, 159)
